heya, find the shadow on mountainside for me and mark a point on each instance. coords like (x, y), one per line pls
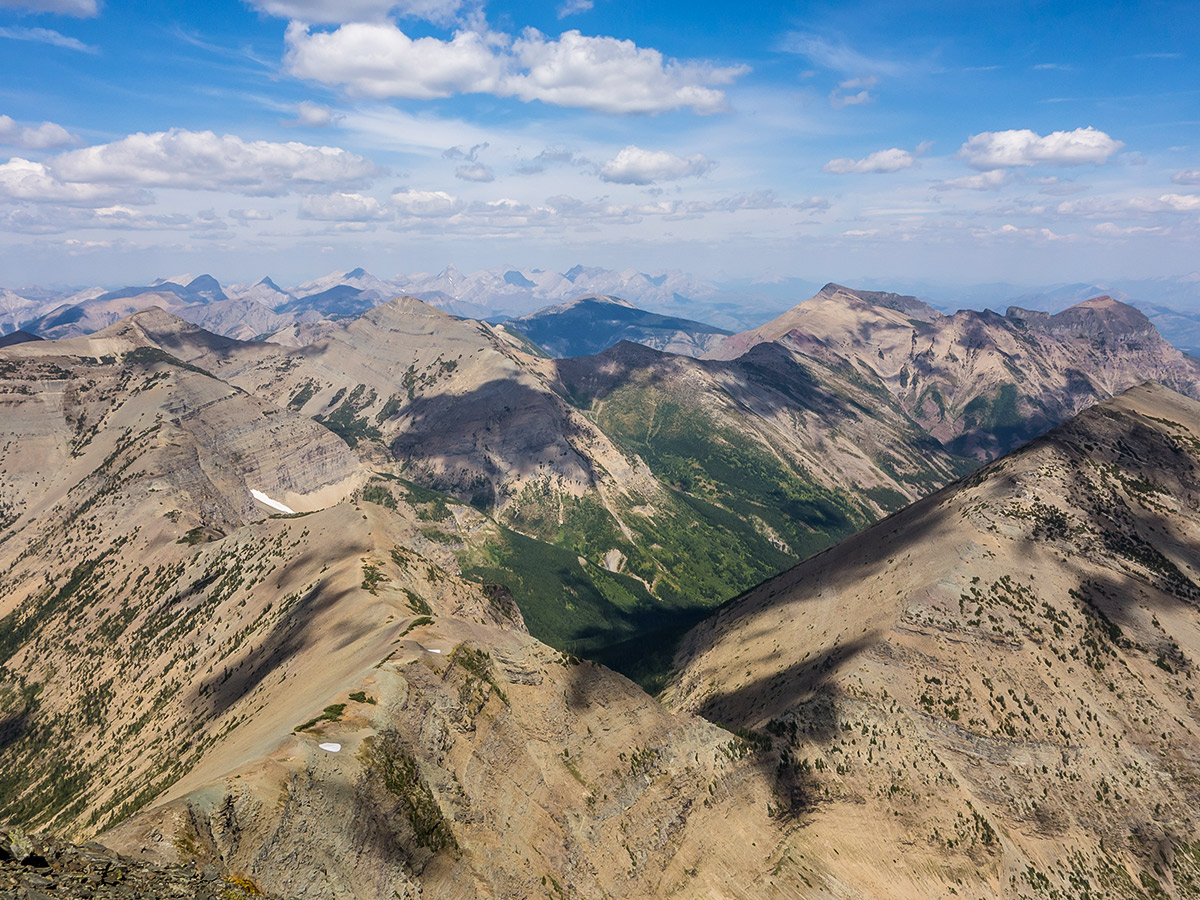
(498, 429)
(287, 638)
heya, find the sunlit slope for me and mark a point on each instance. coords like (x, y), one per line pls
(999, 679)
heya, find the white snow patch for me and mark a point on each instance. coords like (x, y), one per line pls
(434, 651)
(331, 747)
(274, 504)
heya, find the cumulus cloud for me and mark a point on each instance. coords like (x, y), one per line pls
(613, 76)
(79, 8)
(1187, 176)
(47, 136)
(340, 207)
(45, 36)
(633, 165)
(202, 160)
(21, 179)
(573, 7)
(891, 160)
(991, 180)
(475, 172)
(427, 204)
(338, 11)
(381, 61)
(1022, 147)
(599, 73)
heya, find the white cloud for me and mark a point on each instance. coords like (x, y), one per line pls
(633, 165)
(200, 160)
(21, 179)
(1022, 147)
(1098, 208)
(840, 101)
(1187, 176)
(45, 36)
(475, 172)
(1181, 202)
(840, 98)
(572, 7)
(427, 204)
(59, 219)
(339, 11)
(613, 76)
(343, 208)
(47, 136)
(991, 180)
(314, 115)
(1111, 229)
(599, 73)
(891, 160)
(840, 57)
(381, 61)
(78, 8)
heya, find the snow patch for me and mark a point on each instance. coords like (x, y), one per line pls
(274, 504)
(331, 747)
(435, 651)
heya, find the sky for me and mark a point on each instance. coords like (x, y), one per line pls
(995, 140)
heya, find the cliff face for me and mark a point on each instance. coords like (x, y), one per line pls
(999, 678)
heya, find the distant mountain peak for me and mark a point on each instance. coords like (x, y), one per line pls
(268, 283)
(356, 273)
(516, 279)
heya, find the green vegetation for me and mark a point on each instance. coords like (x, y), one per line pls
(332, 713)
(379, 495)
(386, 756)
(307, 391)
(372, 577)
(345, 420)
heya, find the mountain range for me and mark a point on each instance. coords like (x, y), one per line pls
(311, 610)
(254, 310)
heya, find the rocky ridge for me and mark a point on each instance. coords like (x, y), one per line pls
(979, 382)
(1000, 677)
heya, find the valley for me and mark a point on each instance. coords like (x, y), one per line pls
(878, 563)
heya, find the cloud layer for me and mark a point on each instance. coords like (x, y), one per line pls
(202, 160)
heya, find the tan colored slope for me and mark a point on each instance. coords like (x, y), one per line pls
(990, 694)
(455, 403)
(495, 767)
(979, 382)
(146, 660)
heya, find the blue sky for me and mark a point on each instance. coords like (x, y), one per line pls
(960, 142)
